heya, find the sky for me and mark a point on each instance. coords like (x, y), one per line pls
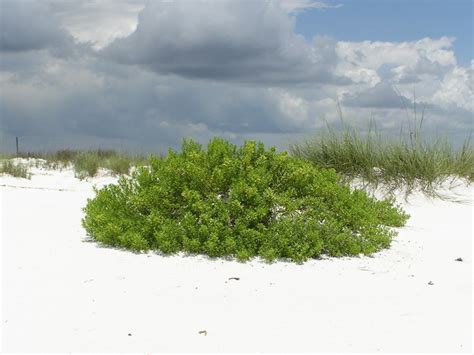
(394, 20)
(140, 76)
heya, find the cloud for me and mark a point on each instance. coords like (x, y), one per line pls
(381, 95)
(29, 25)
(456, 89)
(425, 70)
(97, 22)
(374, 54)
(87, 97)
(236, 69)
(252, 42)
(297, 6)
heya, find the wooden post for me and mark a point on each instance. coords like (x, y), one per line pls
(17, 152)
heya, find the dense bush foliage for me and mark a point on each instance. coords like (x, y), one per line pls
(242, 202)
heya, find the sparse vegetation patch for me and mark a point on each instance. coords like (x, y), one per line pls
(87, 163)
(407, 164)
(14, 169)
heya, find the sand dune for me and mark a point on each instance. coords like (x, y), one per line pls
(62, 293)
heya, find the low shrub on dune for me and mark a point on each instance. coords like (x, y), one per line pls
(240, 202)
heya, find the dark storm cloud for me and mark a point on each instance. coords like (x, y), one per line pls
(249, 41)
(191, 69)
(28, 25)
(109, 101)
(50, 95)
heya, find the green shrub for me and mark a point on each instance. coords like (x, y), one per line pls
(16, 170)
(241, 202)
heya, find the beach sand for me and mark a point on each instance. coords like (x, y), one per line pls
(62, 293)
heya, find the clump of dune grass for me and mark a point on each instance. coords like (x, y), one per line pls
(407, 163)
(64, 155)
(86, 164)
(16, 170)
(119, 164)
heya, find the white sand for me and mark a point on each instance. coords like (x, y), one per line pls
(62, 294)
